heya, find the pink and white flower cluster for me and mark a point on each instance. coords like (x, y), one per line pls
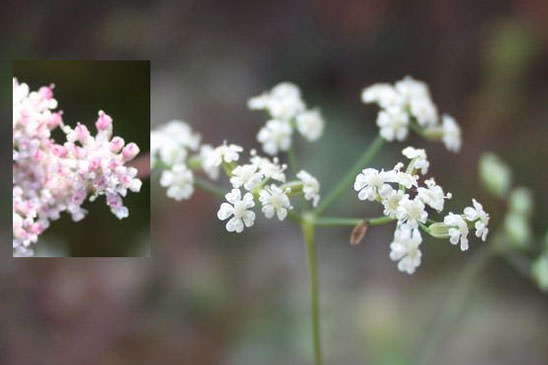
(50, 178)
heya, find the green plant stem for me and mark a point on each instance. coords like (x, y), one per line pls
(336, 221)
(307, 225)
(292, 159)
(347, 180)
(455, 302)
(207, 186)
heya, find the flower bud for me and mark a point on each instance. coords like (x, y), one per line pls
(104, 122)
(521, 201)
(116, 144)
(439, 230)
(517, 229)
(130, 151)
(495, 175)
(540, 271)
(82, 133)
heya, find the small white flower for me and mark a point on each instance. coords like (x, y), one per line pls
(411, 89)
(282, 102)
(274, 201)
(391, 201)
(411, 211)
(480, 217)
(393, 123)
(385, 95)
(270, 169)
(223, 153)
(246, 176)
(433, 195)
(458, 230)
(372, 183)
(405, 248)
(311, 187)
(424, 110)
(418, 158)
(451, 133)
(179, 180)
(210, 170)
(238, 210)
(275, 136)
(180, 132)
(171, 153)
(310, 124)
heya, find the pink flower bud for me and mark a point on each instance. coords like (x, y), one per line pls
(82, 133)
(104, 121)
(59, 151)
(46, 92)
(130, 151)
(116, 144)
(55, 120)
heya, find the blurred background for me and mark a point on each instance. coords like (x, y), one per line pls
(82, 88)
(209, 297)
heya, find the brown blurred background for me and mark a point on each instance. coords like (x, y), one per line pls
(209, 297)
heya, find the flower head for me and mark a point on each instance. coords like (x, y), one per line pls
(372, 183)
(418, 158)
(405, 248)
(179, 180)
(310, 125)
(237, 209)
(393, 123)
(458, 230)
(275, 136)
(274, 201)
(50, 177)
(247, 176)
(411, 211)
(480, 218)
(311, 187)
(433, 195)
(451, 133)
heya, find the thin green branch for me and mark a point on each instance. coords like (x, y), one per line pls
(347, 180)
(337, 221)
(292, 159)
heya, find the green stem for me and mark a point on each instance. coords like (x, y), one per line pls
(347, 180)
(336, 221)
(292, 159)
(455, 302)
(205, 185)
(307, 225)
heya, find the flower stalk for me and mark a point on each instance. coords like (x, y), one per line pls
(307, 226)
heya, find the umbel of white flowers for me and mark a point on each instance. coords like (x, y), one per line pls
(408, 104)
(287, 112)
(176, 149)
(406, 200)
(262, 182)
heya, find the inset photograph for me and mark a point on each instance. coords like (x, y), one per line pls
(80, 151)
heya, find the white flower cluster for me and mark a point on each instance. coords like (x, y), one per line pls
(263, 180)
(170, 147)
(406, 201)
(176, 150)
(409, 101)
(50, 178)
(288, 112)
